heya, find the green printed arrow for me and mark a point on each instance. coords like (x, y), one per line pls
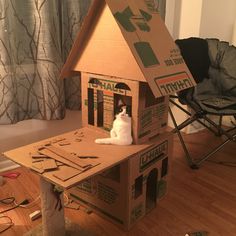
(145, 15)
(124, 19)
(146, 54)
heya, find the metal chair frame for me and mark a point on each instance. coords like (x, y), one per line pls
(217, 129)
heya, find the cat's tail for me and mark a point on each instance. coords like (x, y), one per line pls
(115, 141)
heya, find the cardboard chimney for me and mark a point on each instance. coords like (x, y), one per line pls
(125, 53)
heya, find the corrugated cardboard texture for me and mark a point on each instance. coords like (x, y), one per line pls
(129, 40)
(153, 47)
(149, 114)
(138, 183)
(107, 51)
(107, 193)
(111, 94)
(152, 115)
(108, 155)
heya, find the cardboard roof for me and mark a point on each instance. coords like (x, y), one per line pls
(128, 39)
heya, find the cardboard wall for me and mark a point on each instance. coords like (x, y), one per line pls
(128, 39)
(152, 114)
(106, 194)
(142, 182)
(111, 95)
(149, 116)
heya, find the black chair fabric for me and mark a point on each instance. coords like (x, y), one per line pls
(213, 65)
(199, 63)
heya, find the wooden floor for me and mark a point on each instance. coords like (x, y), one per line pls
(203, 199)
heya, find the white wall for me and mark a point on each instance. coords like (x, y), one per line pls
(183, 17)
(190, 18)
(203, 18)
(170, 15)
(217, 19)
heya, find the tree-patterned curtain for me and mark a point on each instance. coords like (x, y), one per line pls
(35, 38)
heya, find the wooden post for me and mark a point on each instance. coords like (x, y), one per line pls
(53, 221)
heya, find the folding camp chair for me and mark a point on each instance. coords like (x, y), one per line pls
(213, 66)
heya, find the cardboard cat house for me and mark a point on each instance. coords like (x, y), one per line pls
(125, 53)
(128, 191)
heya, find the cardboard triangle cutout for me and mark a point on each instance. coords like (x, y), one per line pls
(146, 39)
(107, 52)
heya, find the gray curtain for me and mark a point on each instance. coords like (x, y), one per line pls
(161, 7)
(35, 38)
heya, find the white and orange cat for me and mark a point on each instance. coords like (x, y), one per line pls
(120, 133)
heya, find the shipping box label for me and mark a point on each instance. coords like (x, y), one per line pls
(108, 86)
(153, 155)
(152, 46)
(152, 119)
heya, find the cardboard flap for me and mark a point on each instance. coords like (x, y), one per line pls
(128, 39)
(151, 44)
(82, 38)
(106, 52)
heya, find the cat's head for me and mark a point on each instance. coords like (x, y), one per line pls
(123, 112)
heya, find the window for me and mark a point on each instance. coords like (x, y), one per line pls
(138, 187)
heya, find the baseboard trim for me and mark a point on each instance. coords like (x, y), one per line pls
(6, 165)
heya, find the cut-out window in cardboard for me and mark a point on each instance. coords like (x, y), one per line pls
(91, 106)
(120, 100)
(164, 167)
(138, 186)
(123, 99)
(104, 99)
(150, 99)
(100, 108)
(151, 193)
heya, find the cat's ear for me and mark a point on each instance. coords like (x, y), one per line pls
(120, 103)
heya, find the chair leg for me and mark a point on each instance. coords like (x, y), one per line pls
(177, 130)
(219, 126)
(199, 162)
(214, 127)
(197, 118)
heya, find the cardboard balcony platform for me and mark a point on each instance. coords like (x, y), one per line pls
(124, 182)
(101, 157)
(128, 191)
